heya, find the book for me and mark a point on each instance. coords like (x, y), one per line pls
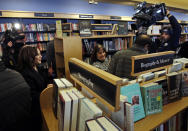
(66, 82)
(152, 98)
(129, 116)
(184, 89)
(119, 116)
(122, 28)
(184, 61)
(92, 125)
(164, 85)
(174, 86)
(160, 73)
(133, 94)
(175, 67)
(87, 110)
(107, 124)
(57, 85)
(85, 27)
(74, 110)
(65, 114)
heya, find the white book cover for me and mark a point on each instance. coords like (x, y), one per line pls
(92, 125)
(74, 110)
(119, 117)
(66, 82)
(129, 110)
(87, 111)
(65, 115)
(58, 85)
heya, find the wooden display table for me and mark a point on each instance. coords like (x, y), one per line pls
(152, 121)
(49, 120)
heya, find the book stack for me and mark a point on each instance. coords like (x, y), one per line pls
(152, 98)
(184, 61)
(101, 124)
(58, 84)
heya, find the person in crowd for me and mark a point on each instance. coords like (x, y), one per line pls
(28, 60)
(50, 54)
(98, 58)
(121, 63)
(183, 50)
(12, 43)
(169, 35)
(15, 99)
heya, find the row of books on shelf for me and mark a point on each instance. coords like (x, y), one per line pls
(176, 123)
(28, 27)
(33, 37)
(76, 112)
(40, 46)
(109, 45)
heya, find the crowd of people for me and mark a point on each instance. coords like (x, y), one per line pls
(22, 79)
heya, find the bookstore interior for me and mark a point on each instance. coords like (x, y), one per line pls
(110, 65)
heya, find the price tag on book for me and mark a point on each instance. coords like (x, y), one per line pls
(151, 62)
(86, 16)
(44, 14)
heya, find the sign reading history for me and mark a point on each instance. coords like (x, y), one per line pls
(101, 87)
(151, 62)
(44, 14)
(103, 27)
(86, 16)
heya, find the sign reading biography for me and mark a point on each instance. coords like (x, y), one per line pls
(86, 16)
(103, 27)
(151, 62)
(44, 14)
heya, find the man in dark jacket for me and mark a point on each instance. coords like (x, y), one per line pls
(121, 63)
(170, 35)
(15, 100)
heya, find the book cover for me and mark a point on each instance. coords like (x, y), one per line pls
(87, 110)
(133, 94)
(122, 28)
(152, 98)
(57, 85)
(85, 27)
(119, 117)
(184, 89)
(65, 114)
(129, 116)
(92, 125)
(164, 85)
(174, 86)
(107, 124)
(66, 82)
(74, 110)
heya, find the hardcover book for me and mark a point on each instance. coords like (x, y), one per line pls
(152, 98)
(134, 97)
(129, 115)
(85, 28)
(57, 85)
(122, 28)
(184, 89)
(174, 86)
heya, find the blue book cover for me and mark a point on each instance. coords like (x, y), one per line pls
(133, 94)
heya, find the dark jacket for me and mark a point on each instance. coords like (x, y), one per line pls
(37, 83)
(173, 43)
(183, 51)
(15, 101)
(121, 63)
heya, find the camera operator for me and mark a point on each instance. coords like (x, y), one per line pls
(12, 42)
(169, 39)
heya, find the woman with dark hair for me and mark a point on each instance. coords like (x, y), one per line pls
(28, 60)
(98, 58)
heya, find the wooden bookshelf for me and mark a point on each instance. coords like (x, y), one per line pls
(107, 36)
(150, 122)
